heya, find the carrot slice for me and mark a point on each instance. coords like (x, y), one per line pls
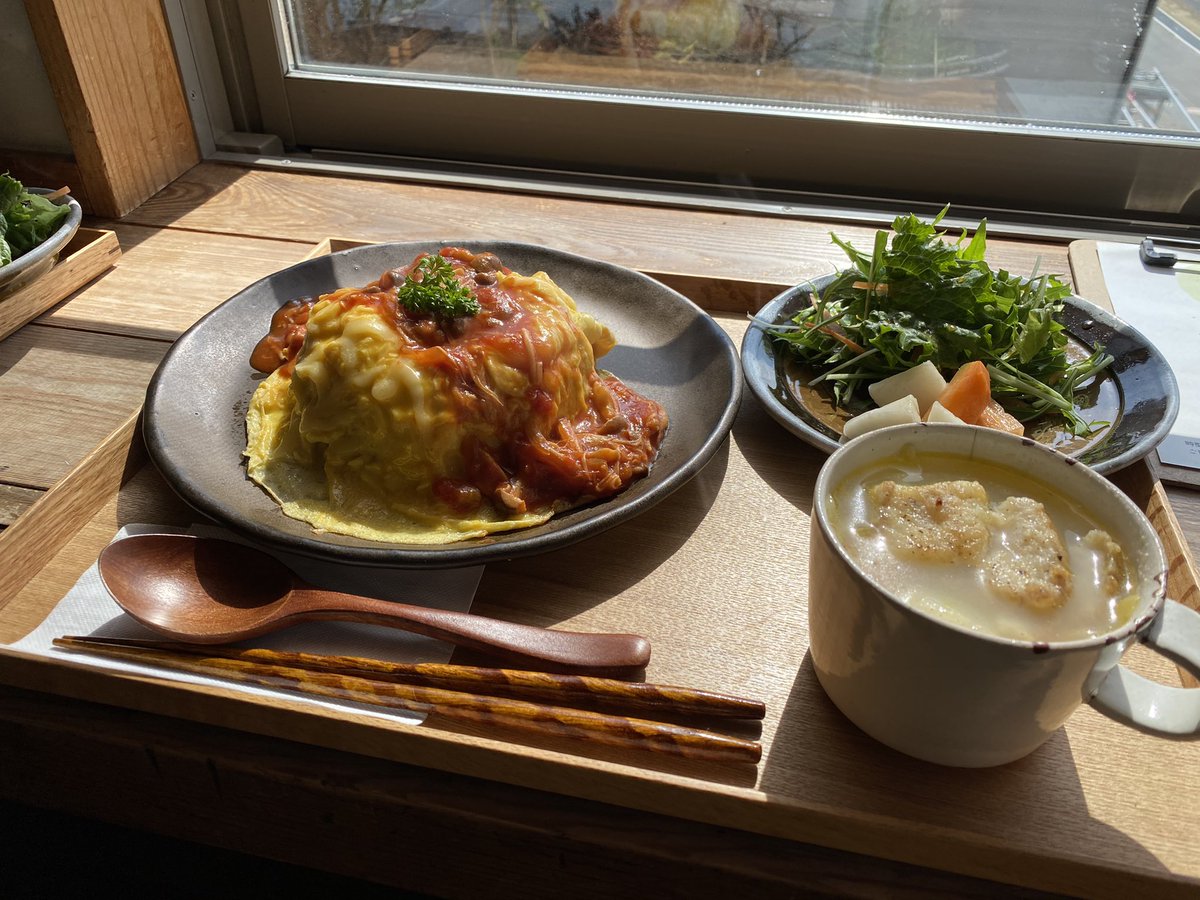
(996, 416)
(969, 392)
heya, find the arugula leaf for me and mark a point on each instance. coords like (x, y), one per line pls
(432, 288)
(975, 249)
(922, 298)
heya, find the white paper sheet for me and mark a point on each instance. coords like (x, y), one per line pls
(88, 609)
(1164, 305)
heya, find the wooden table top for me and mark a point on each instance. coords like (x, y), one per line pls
(80, 370)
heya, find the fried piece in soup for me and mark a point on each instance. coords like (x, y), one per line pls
(1114, 574)
(933, 523)
(1029, 565)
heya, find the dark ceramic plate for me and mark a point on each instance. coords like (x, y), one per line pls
(1137, 396)
(668, 349)
(41, 258)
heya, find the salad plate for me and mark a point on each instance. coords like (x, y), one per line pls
(41, 258)
(1132, 404)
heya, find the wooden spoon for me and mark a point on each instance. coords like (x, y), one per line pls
(207, 591)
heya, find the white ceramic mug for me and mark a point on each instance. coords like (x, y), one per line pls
(955, 696)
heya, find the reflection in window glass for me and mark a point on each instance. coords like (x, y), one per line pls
(1101, 64)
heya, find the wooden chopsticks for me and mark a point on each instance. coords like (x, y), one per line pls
(561, 689)
(492, 697)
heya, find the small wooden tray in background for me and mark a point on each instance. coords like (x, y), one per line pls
(715, 576)
(90, 252)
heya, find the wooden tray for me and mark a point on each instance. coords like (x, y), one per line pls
(90, 252)
(716, 577)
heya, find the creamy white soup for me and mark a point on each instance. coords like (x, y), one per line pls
(984, 547)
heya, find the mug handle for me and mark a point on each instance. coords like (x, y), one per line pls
(1131, 698)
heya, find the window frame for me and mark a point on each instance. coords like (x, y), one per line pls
(723, 149)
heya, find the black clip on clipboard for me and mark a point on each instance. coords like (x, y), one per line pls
(1164, 259)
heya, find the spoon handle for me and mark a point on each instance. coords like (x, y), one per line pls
(565, 650)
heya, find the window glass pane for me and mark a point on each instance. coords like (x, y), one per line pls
(1105, 65)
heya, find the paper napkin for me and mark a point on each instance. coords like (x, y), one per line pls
(88, 609)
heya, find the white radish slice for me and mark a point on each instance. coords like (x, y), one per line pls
(939, 413)
(898, 412)
(924, 382)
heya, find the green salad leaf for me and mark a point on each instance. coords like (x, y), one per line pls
(918, 297)
(25, 219)
(432, 288)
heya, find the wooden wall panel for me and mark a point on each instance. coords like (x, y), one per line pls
(114, 74)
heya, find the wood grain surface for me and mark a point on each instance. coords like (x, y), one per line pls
(113, 72)
(714, 625)
(779, 250)
(68, 390)
(14, 500)
(167, 279)
(54, 518)
(438, 834)
(1101, 810)
(90, 252)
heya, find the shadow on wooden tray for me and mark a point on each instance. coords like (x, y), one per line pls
(818, 754)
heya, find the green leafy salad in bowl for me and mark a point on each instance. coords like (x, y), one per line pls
(921, 328)
(34, 226)
(26, 219)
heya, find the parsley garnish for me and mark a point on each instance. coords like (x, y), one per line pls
(923, 298)
(433, 289)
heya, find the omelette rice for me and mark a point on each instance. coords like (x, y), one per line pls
(409, 426)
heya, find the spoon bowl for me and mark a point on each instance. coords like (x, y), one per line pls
(208, 591)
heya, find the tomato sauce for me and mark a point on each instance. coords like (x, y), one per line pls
(532, 459)
(282, 343)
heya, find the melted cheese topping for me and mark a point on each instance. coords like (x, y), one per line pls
(392, 426)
